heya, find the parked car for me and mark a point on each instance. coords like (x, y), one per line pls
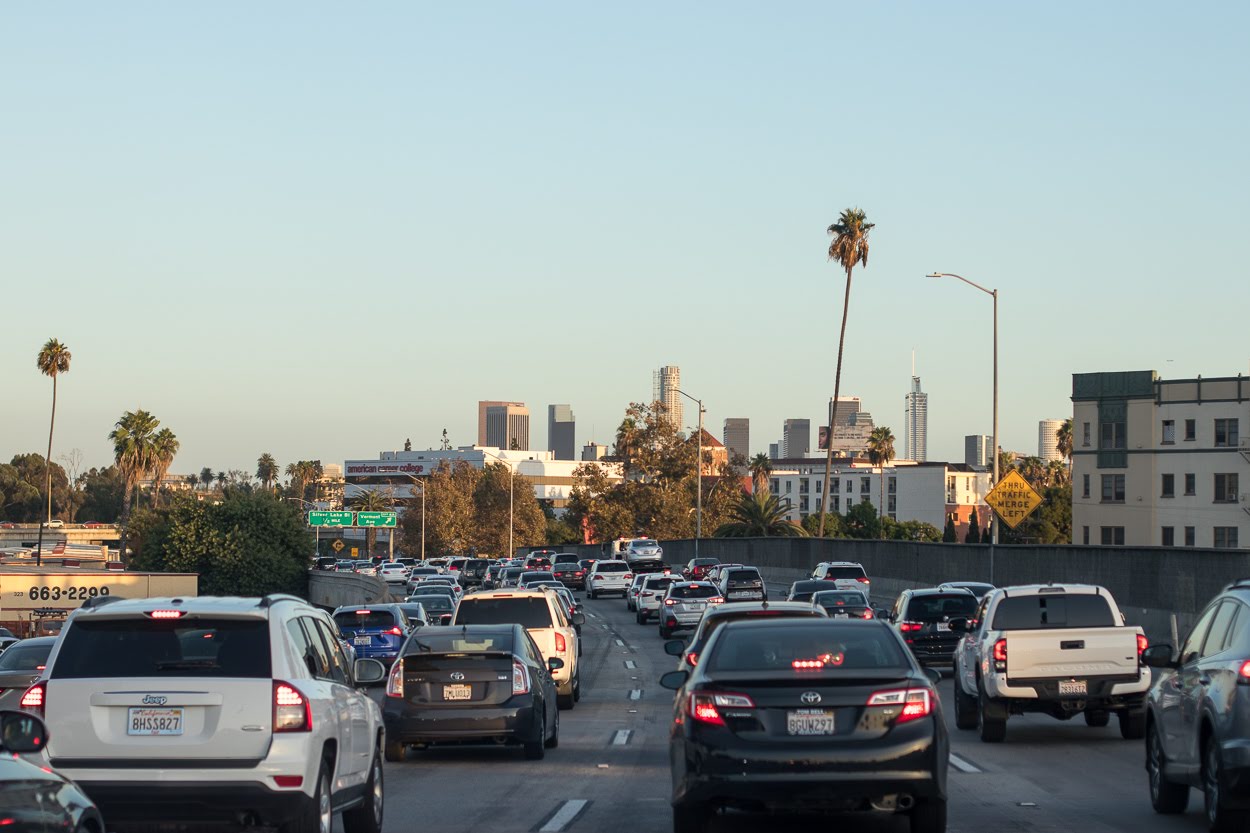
(376, 631)
(923, 618)
(609, 577)
(36, 798)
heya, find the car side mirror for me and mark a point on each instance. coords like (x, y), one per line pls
(890, 616)
(370, 671)
(934, 675)
(555, 664)
(22, 733)
(674, 647)
(1159, 656)
(579, 618)
(959, 625)
(674, 680)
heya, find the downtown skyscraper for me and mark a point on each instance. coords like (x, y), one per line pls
(665, 383)
(560, 432)
(916, 419)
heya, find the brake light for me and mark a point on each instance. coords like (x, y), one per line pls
(561, 645)
(1142, 644)
(292, 712)
(909, 627)
(648, 593)
(807, 664)
(670, 602)
(289, 780)
(705, 708)
(1243, 673)
(396, 631)
(598, 578)
(165, 614)
(1000, 655)
(628, 576)
(867, 614)
(395, 679)
(914, 703)
(716, 600)
(693, 659)
(363, 612)
(862, 579)
(520, 678)
(35, 698)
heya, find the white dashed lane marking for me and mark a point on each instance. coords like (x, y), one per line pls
(564, 816)
(621, 737)
(963, 766)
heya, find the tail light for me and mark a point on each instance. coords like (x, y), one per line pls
(716, 600)
(692, 659)
(292, 711)
(1000, 655)
(395, 680)
(648, 593)
(598, 578)
(867, 614)
(561, 645)
(520, 678)
(913, 703)
(670, 602)
(1243, 677)
(909, 627)
(35, 698)
(396, 631)
(862, 579)
(165, 614)
(628, 576)
(830, 578)
(1142, 644)
(705, 708)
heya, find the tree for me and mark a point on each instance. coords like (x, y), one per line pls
(880, 453)
(267, 470)
(761, 469)
(373, 500)
(53, 360)
(848, 247)
(1063, 438)
(446, 443)
(164, 448)
(102, 491)
(206, 477)
(222, 478)
(949, 535)
(132, 439)
(833, 526)
(974, 529)
(760, 515)
(21, 492)
(862, 521)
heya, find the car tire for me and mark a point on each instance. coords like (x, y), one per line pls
(1132, 724)
(692, 817)
(991, 718)
(564, 702)
(665, 633)
(928, 816)
(1096, 718)
(965, 707)
(554, 741)
(592, 594)
(1220, 818)
(317, 814)
(577, 688)
(640, 619)
(395, 751)
(536, 750)
(1167, 797)
(367, 818)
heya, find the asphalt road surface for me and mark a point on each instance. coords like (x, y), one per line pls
(611, 773)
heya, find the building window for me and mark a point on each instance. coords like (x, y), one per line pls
(1190, 536)
(1226, 488)
(891, 485)
(850, 488)
(1191, 429)
(1225, 433)
(820, 485)
(803, 503)
(835, 485)
(1169, 486)
(891, 504)
(865, 498)
(865, 485)
(1113, 536)
(1085, 485)
(1085, 535)
(789, 483)
(1169, 536)
(1112, 489)
(837, 503)
(1113, 435)
(1085, 438)
(804, 486)
(1226, 537)
(1169, 431)
(1191, 484)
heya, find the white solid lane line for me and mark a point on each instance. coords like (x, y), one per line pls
(621, 737)
(962, 765)
(564, 816)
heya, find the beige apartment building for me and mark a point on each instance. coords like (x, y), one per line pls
(1160, 462)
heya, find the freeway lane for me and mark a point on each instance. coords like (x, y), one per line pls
(610, 772)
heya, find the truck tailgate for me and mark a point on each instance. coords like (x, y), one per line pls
(1077, 652)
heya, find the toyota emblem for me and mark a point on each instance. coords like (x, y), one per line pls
(457, 675)
(810, 698)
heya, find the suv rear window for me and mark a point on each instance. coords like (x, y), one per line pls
(1053, 610)
(525, 611)
(659, 581)
(379, 620)
(692, 591)
(198, 647)
(845, 572)
(740, 577)
(612, 567)
(936, 608)
(475, 563)
(776, 649)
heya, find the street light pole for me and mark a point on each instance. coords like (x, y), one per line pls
(698, 523)
(511, 479)
(993, 293)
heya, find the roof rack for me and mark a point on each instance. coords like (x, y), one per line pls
(274, 598)
(99, 601)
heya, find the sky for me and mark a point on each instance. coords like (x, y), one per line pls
(317, 230)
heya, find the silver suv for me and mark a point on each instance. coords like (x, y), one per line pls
(211, 710)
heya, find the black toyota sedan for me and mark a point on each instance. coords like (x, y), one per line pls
(471, 684)
(804, 715)
(32, 797)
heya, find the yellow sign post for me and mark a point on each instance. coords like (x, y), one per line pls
(1013, 499)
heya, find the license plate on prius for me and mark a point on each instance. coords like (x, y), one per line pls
(457, 692)
(1073, 688)
(363, 640)
(154, 722)
(809, 722)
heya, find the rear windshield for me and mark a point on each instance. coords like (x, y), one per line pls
(566, 558)
(21, 657)
(844, 572)
(440, 642)
(705, 562)
(837, 598)
(370, 620)
(646, 542)
(412, 611)
(937, 608)
(1053, 610)
(527, 612)
(659, 581)
(474, 563)
(612, 567)
(692, 591)
(425, 571)
(805, 648)
(743, 577)
(199, 647)
(513, 572)
(436, 602)
(537, 575)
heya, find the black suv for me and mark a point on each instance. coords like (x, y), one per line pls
(922, 618)
(1198, 715)
(473, 571)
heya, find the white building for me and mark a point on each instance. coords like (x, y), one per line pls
(1048, 439)
(916, 419)
(1159, 462)
(665, 383)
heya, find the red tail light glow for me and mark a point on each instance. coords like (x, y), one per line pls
(867, 614)
(628, 576)
(670, 602)
(705, 708)
(1000, 655)
(561, 645)
(395, 680)
(915, 703)
(807, 664)
(165, 614)
(693, 659)
(862, 579)
(1142, 644)
(1243, 673)
(292, 711)
(396, 631)
(35, 698)
(909, 627)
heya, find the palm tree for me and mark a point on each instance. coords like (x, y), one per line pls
(848, 247)
(132, 439)
(760, 515)
(266, 469)
(192, 480)
(373, 500)
(761, 468)
(1063, 438)
(164, 448)
(206, 477)
(222, 477)
(880, 453)
(52, 361)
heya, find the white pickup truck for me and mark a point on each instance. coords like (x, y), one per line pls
(1061, 650)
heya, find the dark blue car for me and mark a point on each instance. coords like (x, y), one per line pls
(375, 631)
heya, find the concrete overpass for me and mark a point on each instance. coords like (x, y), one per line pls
(27, 535)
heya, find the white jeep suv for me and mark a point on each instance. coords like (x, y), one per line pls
(204, 710)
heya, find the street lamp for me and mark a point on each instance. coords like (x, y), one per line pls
(698, 523)
(993, 293)
(511, 473)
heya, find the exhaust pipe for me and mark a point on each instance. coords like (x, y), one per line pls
(906, 802)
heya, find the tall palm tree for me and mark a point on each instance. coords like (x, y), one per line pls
(266, 470)
(761, 469)
(848, 247)
(760, 515)
(222, 478)
(192, 480)
(164, 448)
(132, 439)
(373, 500)
(1063, 438)
(206, 477)
(880, 453)
(52, 361)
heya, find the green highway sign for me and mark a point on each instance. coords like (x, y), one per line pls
(331, 518)
(387, 519)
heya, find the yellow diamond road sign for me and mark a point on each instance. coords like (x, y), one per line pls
(1013, 499)
(338, 545)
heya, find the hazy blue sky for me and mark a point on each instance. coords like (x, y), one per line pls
(316, 229)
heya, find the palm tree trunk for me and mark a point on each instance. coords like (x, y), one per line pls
(48, 460)
(833, 409)
(881, 492)
(127, 495)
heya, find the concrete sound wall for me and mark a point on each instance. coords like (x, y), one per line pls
(327, 589)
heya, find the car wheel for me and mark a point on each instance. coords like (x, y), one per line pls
(593, 595)
(554, 741)
(535, 750)
(367, 818)
(965, 707)
(1097, 719)
(395, 751)
(691, 817)
(640, 619)
(1220, 818)
(992, 718)
(928, 816)
(317, 814)
(577, 688)
(665, 633)
(564, 701)
(1132, 724)
(1166, 796)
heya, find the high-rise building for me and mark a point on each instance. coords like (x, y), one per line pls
(916, 417)
(560, 431)
(796, 438)
(592, 451)
(851, 430)
(774, 451)
(481, 417)
(737, 437)
(977, 450)
(665, 383)
(508, 426)
(1048, 439)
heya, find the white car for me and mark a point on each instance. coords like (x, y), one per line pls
(393, 573)
(651, 595)
(843, 575)
(608, 577)
(209, 710)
